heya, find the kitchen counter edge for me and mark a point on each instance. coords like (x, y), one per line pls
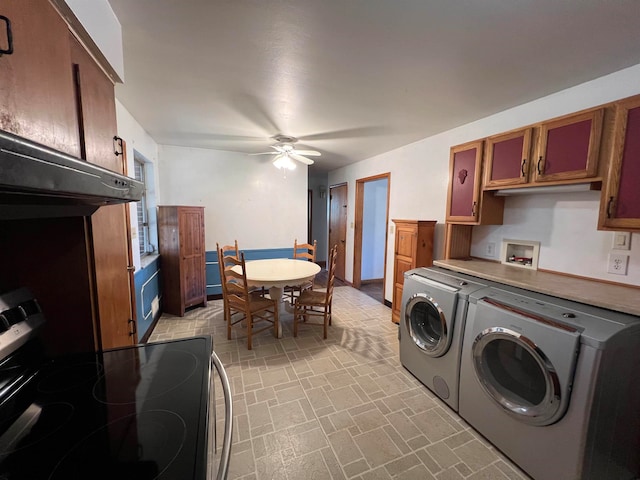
(619, 298)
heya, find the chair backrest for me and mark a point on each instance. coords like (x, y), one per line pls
(331, 274)
(304, 250)
(231, 249)
(234, 281)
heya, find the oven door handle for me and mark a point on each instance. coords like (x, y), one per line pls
(225, 455)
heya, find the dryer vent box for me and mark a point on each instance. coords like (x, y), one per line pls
(520, 253)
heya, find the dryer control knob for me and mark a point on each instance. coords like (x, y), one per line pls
(462, 283)
(569, 315)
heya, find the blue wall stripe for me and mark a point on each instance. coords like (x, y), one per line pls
(148, 277)
(213, 270)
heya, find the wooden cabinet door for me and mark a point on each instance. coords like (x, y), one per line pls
(620, 205)
(464, 182)
(507, 159)
(568, 148)
(191, 226)
(36, 82)
(97, 117)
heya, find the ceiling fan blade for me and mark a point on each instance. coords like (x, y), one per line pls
(310, 153)
(301, 159)
(266, 153)
(347, 133)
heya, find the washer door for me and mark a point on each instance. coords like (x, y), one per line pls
(427, 325)
(517, 375)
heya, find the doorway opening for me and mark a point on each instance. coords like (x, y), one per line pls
(370, 235)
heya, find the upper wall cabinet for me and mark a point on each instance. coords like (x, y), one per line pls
(36, 83)
(507, 159)
(466, 203)
(620, 204)
(568, 148)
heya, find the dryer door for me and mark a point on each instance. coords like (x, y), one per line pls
(427, 324)
(514, 370)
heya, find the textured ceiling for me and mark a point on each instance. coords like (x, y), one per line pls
(355, 78)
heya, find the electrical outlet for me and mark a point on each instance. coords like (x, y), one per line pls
(491, 249)
(618, 263)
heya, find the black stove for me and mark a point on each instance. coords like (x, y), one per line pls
(133, 413)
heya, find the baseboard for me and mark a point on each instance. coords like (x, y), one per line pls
(145, 337)
(371, 280)
(388, 303)
(215, 296)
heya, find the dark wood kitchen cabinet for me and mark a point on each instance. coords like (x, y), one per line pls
(110, 246)
(182, 257)
(568, 148)
(36, 83)
(466, 201)
(413, 248)
(620, 203)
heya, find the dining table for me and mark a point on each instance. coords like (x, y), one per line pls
(277, 273)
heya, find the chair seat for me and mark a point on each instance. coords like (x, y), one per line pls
(256, 304)
(311, 298)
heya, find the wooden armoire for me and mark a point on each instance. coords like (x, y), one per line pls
(182, 257)
(413, 248)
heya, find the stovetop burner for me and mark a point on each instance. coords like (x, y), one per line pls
(133, 413)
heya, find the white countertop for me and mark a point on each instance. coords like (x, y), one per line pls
(616, 297)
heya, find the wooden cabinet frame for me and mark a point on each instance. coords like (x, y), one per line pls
(591, 167)
(609, 199)
(525, 159)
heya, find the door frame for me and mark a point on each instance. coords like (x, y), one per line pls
(359, 219)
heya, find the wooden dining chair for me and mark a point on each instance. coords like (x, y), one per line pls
(225, 251)
(257, 313)
(307, 252)
(313, 307)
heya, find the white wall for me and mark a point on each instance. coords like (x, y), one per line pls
(139, 140)
(245, 197)
(374, 229)
(570, 242)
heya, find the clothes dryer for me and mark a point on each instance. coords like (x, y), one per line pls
(553, 384)
(432, 318)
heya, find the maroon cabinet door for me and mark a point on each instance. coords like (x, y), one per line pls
(464, 182)
(507, 159)
(568, 148)
(621, 200)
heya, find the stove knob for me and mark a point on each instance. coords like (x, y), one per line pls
(569, 315)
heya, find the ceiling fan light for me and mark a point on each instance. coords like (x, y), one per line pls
(284, 162)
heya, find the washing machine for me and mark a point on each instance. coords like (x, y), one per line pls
(432, 317)
(553, 384)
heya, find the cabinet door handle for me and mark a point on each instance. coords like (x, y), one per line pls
(539, 165)
(117, 145)
(134, 327)
(609, 205)
(524, 162)
(9, 49)
(473, 209)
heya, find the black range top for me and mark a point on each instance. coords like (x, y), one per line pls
(133, 413)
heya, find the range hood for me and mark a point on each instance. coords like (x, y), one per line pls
(38, 181)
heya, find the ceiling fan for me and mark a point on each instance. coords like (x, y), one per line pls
(285, 152)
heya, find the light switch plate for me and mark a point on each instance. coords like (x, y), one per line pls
(621, 241)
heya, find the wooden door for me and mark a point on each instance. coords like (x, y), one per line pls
(507, 159)
(338, 225)
(620, 204)
(97, 120)
(36, 81)
(192, 255)
(568, 148)
(464, 182)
